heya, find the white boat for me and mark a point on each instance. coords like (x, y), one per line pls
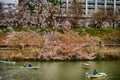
(27, 67)
(7, 61)
(98, 75)
(85, 64)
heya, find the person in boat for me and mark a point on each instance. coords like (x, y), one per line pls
(29, 65)
(95, 72)
(24, 65)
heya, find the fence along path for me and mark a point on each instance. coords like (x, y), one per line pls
(17, 46)
(28, 46)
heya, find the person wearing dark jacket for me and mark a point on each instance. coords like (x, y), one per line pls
(29, 65)
(95, 72)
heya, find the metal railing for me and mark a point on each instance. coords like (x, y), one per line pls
(18, 46)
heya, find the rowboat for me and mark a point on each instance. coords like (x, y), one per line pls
(5, 61)
(27, 67)
(98, 75)
(85, 65)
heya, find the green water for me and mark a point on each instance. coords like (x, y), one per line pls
(71, 70)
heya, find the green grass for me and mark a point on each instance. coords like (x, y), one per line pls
(92, 31)
(96, 31)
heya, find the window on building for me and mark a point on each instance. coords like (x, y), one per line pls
(118, 0)
(110, 0)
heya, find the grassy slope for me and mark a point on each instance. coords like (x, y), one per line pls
(108, 35)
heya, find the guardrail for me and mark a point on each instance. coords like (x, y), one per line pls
(111, 44)
(17, 46)
(36, 45)
(103, 44)
(21, 46)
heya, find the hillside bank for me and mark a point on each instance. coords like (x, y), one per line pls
(63, 44)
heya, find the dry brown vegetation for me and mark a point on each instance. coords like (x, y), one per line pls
(24, 37)
(55, 45)
(70, 45)
(58, 46)
(2, 38)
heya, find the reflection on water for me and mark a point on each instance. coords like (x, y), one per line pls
(59, 70)
(102, 78)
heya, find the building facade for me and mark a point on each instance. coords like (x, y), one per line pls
(90, 6)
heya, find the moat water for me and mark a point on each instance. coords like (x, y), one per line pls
(62, 70)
